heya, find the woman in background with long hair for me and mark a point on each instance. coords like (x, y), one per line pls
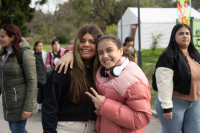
(55, 54)
(129, 44)
(177, 80)
(41, 57)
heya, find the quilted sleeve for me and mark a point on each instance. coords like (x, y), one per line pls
(29, 68)
(135, 113)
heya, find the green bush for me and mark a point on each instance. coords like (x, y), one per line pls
(65, 39)
(111, 29)
(155, 41)
(64, 32)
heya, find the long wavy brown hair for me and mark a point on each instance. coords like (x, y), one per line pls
(81, 79)
(12, 30)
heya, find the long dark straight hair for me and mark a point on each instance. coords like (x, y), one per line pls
(12, 29)
(52, 43)
(35, 44)
(81, 79)
(173, 46)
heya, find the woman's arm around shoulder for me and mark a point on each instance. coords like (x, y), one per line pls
(67, 59)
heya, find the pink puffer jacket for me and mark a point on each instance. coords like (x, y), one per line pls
(126, 108)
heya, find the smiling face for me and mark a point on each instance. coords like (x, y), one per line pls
(109, 54)
(183, 38)
(87, 47)
(5, 40)
(39, 48)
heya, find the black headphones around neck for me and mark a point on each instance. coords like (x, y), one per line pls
(115, 71)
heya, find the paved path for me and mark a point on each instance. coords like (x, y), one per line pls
(34, 124)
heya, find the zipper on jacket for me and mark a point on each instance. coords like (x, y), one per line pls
(3, 86)
(15, 94)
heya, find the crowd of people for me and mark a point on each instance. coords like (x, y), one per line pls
(96, 86)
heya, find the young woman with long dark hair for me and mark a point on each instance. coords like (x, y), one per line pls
(177, 79)
(66, 108)
(41, 57)
(55, 54)
(129, 44)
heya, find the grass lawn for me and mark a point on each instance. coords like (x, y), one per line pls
(149, 60)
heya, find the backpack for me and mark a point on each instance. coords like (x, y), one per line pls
(20, 62)
(19, 58)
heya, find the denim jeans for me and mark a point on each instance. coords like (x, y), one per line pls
(185, 113)
(18, 127)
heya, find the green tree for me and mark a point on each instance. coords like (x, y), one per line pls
(46, 31)
(107, 12)
(20, 9)
(83, 9)
(101, 12)
(196, 4)
(158, 3)
(34, 27)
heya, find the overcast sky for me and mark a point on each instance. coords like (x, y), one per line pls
(50, 5)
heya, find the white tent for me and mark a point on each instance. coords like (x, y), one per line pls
(153, 20)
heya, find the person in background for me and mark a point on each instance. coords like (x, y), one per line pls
(41, 57)
(129, 44)
(55, 54)
(66, 108)
(178, 82)
(18, 86)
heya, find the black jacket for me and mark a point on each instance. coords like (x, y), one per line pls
(181, 68)
(56, 107)
(41, 70)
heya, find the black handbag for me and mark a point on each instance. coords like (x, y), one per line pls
(48, 70)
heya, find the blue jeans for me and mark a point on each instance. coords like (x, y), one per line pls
(18, 127)
(185, 113)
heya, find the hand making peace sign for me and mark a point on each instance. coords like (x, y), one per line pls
(97, 99)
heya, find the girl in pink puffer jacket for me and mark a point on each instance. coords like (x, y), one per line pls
(123, 99)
